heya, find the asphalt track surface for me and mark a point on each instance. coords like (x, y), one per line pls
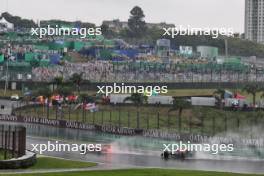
(130, 152)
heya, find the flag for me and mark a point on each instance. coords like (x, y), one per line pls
(90, 106)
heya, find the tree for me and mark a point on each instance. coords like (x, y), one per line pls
(58, 80)
(136, 23)
(137, 99)
(252, 89)
(34, 63)
(220, 96)
(107, 32)
(43, 91)
(179, 104)
(46, 93)
(64, 91)
(18, 21)
(85, 98)
(77, 79)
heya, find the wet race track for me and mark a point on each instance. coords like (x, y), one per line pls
(132, 152)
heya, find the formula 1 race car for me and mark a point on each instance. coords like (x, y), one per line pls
(106, 148)
(182, 155)
(99, 149)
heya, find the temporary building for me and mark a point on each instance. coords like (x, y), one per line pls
(54, 58)
(208, 52)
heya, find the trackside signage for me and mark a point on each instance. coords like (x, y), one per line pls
(70, 124)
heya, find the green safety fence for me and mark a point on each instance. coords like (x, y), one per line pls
(41, 47)
(55, 46)
(2, 59)
(186, 67)
(18, 66)
(106, 54)
(30, 57)
(11, 35)
(95, 37)
(67, 44)
(78, 45)
(108, 43)
(44, 63)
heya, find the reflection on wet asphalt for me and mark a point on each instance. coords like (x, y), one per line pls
(129, 152)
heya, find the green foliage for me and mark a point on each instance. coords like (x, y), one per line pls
(136, 23)
(253, 89)
(141, 172)
(77, 79)
(86, 98)
(107, 32)
(64, 90)
(240, 47)
(34, 63)
(18, 21)
(180, 103)
(58, 80)
(61, 23)
(5, 154)
(137, 99)
(55, 163)
(220, 95)
(42, 91)
(220, 92)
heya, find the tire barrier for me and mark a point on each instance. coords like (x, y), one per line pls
(29, 159)
(13, 146)
(12, 140)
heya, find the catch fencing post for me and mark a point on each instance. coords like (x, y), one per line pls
(225, 123)
(213, 125)
(94, 117)
(83, 114)
(158, 125)
(190, 123)
(69, 112)
(128, 119)
(102, 117)
(110, 116)
(202, 124)
(119, 118)
(138, 125)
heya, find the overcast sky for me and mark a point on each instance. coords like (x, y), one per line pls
(197, 13)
